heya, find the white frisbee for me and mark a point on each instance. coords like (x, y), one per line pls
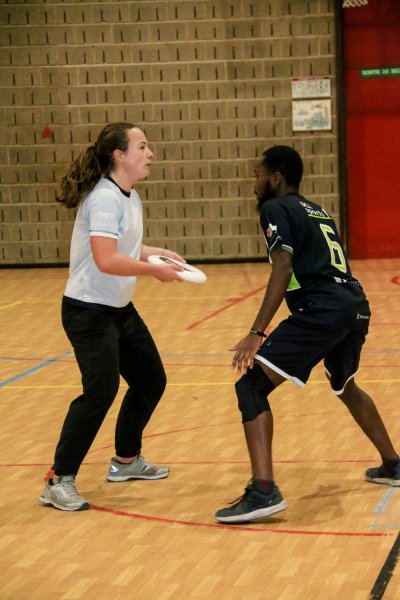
(189, 273)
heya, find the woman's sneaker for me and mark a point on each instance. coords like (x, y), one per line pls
(252, 505)
(138, 469)
(383, 474)
(63, 495)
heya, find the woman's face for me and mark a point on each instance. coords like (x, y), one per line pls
(136, 161)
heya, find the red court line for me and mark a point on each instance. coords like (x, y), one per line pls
(201, 462)
(220, 310)
(252, 529)
(395, 280)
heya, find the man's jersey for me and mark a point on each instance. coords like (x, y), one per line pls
(321, 290)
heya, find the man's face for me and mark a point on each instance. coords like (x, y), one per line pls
(263, 187)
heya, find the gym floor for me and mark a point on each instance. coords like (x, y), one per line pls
(159, 539)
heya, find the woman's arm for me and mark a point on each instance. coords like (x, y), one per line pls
(109, 260)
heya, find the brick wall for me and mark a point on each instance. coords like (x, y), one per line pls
(209, 82)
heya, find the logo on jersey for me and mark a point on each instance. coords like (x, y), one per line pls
(271, 230)
(312, 212)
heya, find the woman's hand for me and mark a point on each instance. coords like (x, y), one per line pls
(147, 251)
(167, 273)
(170, 254)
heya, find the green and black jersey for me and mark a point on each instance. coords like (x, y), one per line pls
(322, 289)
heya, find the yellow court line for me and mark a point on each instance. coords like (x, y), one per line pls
(10, 305)
(204, 383)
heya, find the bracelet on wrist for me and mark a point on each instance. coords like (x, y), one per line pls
(259, 333)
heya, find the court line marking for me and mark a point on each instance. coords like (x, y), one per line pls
(385, 526)
(244, 527)
(124, 385)
(386, 572)
(30, 371)
(122, 513)
(385, 501)
(191, 462)
(233, 302)
(11, 305)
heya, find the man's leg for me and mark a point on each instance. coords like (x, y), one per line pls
(262, 498)
(259, 434)
(365, 413)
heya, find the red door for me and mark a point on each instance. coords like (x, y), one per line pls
(372, 41)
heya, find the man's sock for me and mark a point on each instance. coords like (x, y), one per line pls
(264, 486)
(390, 465)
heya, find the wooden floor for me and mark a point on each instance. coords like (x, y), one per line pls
(159, 540)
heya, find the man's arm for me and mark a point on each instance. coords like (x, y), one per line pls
(274, 295)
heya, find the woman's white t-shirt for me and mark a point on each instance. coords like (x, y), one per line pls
(105, 212)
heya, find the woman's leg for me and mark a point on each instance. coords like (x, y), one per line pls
(142, 369)
(94, 339)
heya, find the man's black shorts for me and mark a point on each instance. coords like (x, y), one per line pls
(294, 348)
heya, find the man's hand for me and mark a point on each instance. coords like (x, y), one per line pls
(245, 350)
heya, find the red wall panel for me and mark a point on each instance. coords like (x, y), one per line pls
(372, 40)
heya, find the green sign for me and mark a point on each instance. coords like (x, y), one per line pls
(381, 72)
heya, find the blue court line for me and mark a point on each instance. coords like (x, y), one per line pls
(385, 501)
(29, 371)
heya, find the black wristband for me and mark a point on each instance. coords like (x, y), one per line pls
(259, 333)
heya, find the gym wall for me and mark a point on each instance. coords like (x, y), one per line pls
(209, 82)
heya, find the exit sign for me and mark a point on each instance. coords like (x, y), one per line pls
(380, 72)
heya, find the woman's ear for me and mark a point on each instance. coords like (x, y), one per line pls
(118, 156)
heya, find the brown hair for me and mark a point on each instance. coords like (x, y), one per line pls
(97, 160)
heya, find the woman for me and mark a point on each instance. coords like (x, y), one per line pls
(108, 336)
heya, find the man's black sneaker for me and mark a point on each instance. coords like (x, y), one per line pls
(252, 505)
(384, 475)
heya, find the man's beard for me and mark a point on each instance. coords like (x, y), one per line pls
(268, 194)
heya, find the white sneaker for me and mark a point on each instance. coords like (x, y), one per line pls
(138, 469)
(63, 495)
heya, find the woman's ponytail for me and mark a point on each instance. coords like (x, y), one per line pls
(97, 160)
(80, 179)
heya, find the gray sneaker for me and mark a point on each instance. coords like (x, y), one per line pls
(138, 469)
(63, 495)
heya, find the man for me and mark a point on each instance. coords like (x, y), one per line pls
(329, 321)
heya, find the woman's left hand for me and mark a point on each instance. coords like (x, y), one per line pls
(170, 254)
(149, 250)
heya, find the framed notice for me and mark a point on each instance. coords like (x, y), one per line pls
(311, 115)
(311, 87)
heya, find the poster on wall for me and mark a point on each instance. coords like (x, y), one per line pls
(311, 115)
(311, 87)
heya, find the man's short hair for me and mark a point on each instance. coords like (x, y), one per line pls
(285, 160)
